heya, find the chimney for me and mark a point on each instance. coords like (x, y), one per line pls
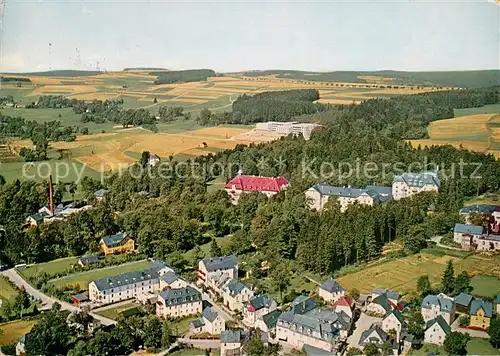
(51, 195)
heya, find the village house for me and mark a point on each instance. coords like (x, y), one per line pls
(209, 322)
(117, 244)
(436, 331)
(481, 313)
(383, 301)
(267, 323)
(408, 184)
(463, 234)
(127, 285)
(345, 304)
(210, 270)
(463, 302)
(254, 184)
(88, 260)
(486, 242)
(100, 194)
(235, 294)
(171, 280)
(441, 304)
(46, 214)
(481, 209)
(153, 160)
(319, 194)
(257, 307)
(394, 321)
(287, 128)
(231, 342)
(331, 291)
(376, 336)
(179, 302)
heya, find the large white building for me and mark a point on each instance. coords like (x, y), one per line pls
(211, 270)
(179, 302)
(287, 128)
(408, 184)
(319, 194)
(127, 285)
(235, 294)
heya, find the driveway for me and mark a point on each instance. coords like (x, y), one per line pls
(364, 322)
(473, 333)
(201, 344)
(15, 278)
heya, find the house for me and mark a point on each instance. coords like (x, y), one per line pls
(212, 269)
(21, 345)
(80, 298)
(319, 194)
(257, 307)
(303, 304)
(116, 244)
(481, 209)
(127, 285)
(462, 302)
(380, 305)
(179, 302)
(254, 184)
(441, 304)
(436, 331)
(235, 294)
(267, 323)
(88, 260)
(36, 219)
(345, 304)
(331, 291)
(153, 160)
(231, 342)
(394, 321)
(463, 234)
(339, 320)
(209, 322)
(393, 297)
(171, 280)
(100, 194)
(408, 184)
(481, 313)
(375, 335)
(83, 322)
(486, 242)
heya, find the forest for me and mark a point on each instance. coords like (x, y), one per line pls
(14, 79)
(185, 214)
(182, 76)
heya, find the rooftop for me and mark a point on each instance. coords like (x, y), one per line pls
(230, 336)
(468, 229)
(115, 240)
(220, 263)
(373, 334)
(178, 296)
(463, 299)
(481, 304)
(377, 193)
(170, 277)
(441, 322)
(88, 259)
(257, 183)
(444, 302)
(418, 180)
(332, 286)
(271, 318)
(479, 208)
(235, 287)
(126, 279)
(210, 314)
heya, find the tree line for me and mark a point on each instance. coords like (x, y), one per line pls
(182, 76)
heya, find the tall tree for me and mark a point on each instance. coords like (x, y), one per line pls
(462, 283)
(448, 280)
(494, 332)
(456, 343)
(280, 277)
(423, 285)
(215, 250)
(416, 323)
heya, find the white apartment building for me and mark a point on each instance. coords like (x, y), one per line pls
(235, 294)
(179, 302)
(127, 285)
(213, 269)
(436, 331)
(408, 184)
(331, 291)
(319, 194)
(287, 128)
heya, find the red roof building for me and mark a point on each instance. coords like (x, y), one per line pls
(346, 301)
(257, 184)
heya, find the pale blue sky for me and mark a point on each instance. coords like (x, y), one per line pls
(230, 36)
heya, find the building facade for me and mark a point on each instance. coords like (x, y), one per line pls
(242, 184)
(117, 244)
(408, 184)
(436, 331)
(481, 313)
(438, 305)
(256, 308)
(331, 291)
(211, 270)
(235, 294)
(179, 302)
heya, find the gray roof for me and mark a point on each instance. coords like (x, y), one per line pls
(230, 336)
(198, 323)
(220, 263)
(260, 301)
(445, 304)
(485, 305)
(332, 286)
(88, 259)
(307, 325)
(479, 208)
(126, 278)
(303, 304)
(383, 301)
(178, 296)
(271, 318)
(170, 277)
(418, 180)
(389, 293)
(100, 193)
(468, 229)
(235, 287)
(441, 322)
(210, 314)
(463, 299)
(340, 320)
(377, 193)
(366, 338)
(314, 351)
(398, 315)
(115, 240)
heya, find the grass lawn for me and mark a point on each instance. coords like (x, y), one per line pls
(6, 290)
(183, 325)
(51, 268)
(402, 274)
(114, 313)
(216, 184)
(487, 109)
(84, 278)
(221, 241)
(477, 346)
(485, 286)
(489, 198)
(179, 126)
(12, 331)
(427, 349)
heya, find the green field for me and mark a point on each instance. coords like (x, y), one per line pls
(51, 268)
(6, 290)
(487, 109)
(221, 241)
(12, 331)
(84, 278)
(485, 286)
(114, 313)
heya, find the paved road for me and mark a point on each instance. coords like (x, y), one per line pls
(46, 300)
(201, 344)
(437, 240)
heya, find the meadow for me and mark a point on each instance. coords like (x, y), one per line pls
(402, 274)
(12, 331)
(50, 268)
(7, 291)
(114, 313)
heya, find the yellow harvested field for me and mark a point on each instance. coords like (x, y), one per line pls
(188, 100)
(460, 126)
(479, 146)
(95, 96)
(258, 136)
(72, 89)
(218, 132)
(338, 101)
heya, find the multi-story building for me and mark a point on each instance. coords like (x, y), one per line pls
(171, 280)
(486, 242)
(211, 270)
(287, 128)
(235, 294)
(394, 321)
(408, 184)
(480, 209)
(319, 194)
(127, 285)
(463, 233)
(209, 322)
(481, 313)
(331, 291)
(436, 331)
(376, 336)
(441, 304)
(257, 307)
(179, 302)
(242, 184)
(267, 323)
(116, 244)
(231, 342)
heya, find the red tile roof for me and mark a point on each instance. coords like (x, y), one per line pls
(346, 301)
(257, 184)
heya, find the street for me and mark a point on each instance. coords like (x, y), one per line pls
(15, 278)
(364, 322)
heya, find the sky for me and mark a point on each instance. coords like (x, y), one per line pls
(242, 35)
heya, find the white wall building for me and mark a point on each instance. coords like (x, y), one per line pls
(408, 184)
(436, 331)
(331, 291)
(179, 302)
(438, 305)
(211, 269)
